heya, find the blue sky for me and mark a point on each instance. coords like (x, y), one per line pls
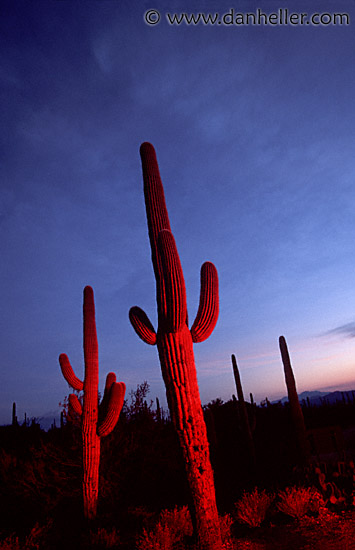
(254, 132)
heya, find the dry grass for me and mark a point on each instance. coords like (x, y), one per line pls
(169, 533)
(225, 524)
(252, 507)
(36, 539)
(299, 501)
(103, 538)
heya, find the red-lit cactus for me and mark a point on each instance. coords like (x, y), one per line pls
(96, 420)
(174, 342)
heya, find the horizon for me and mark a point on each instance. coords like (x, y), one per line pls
(253, 128)
(47, 418)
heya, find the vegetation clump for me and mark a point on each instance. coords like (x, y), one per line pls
(252, 507)
(299, 501)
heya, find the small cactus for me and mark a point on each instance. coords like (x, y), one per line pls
(96, 420)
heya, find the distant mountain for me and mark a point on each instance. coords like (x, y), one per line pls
(317, 397)
(48, 419)
(335, 396)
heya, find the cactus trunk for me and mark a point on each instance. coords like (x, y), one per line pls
(179, 374)
(295, 407)
(174, 342)
(91, 464)
(91, 441)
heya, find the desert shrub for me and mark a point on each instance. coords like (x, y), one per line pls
(298, 501)
(35, 540)
(225, 524)
(43, 477)
(169, 533)
(10, 543)
(252, 507)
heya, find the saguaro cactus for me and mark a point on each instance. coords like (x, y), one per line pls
(244, 417)
(174, 342)
(96, 420)
(295, 407)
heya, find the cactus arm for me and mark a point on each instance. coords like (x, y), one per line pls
(68, 373)
(207, 313)
(110, 380)
(75, 404)
(176, 310)
(114, 407)
(142, 325)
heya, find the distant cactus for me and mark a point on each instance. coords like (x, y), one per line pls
(96, 421)
(14, 417)
(244, 418)
(295, 407)
(158, 413)
(174, 342)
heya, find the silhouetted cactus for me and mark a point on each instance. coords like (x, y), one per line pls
(174, 342)
(295, 407)
(244, 418)
(14, 417)
(158, 413)
(96, 421)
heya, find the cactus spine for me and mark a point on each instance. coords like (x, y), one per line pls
(174, 342)
(96, 421)
(295, 407)
(244, 416)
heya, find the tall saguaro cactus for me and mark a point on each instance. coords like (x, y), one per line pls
(96, 420)
(295, 407)
(174, 342)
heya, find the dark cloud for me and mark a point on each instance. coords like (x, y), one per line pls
(347, 330)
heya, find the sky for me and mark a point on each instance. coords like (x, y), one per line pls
(253, 126)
